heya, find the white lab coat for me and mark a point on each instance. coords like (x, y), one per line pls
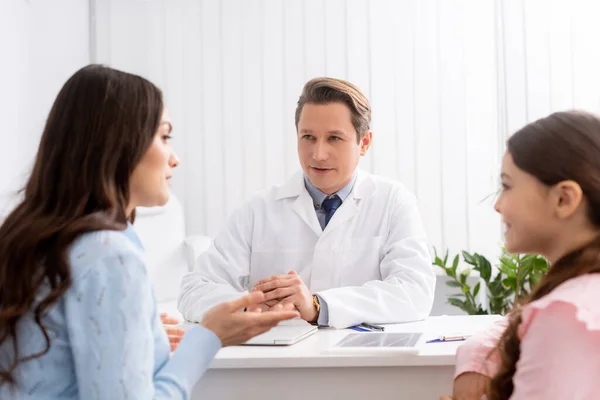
(370, 264)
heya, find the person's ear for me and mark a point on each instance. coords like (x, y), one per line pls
(365, 142)
(566, 196)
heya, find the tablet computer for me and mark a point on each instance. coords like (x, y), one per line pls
(378, 342)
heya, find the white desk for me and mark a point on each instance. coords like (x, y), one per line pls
(305, 370)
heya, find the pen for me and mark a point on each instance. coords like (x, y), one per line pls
(359, 329)
(374, 327)
(449, 338)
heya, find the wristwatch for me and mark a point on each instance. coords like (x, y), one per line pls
(317, 306)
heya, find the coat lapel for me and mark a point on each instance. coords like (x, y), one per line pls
(302, 203)
(363, 187)
(303, 206)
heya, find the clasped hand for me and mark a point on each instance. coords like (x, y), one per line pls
(287, 290)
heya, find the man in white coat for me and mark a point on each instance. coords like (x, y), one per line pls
(343, 246)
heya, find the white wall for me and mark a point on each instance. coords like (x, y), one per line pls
(232, 72)
(448, 81)
(42, 43)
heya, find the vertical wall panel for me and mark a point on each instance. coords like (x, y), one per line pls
(453, 152)
(294, 78)
(273, 104)
(212, 128)
(537, 42)
(383, 105)
(233, 132)
(560, 57)
(336, 57)
(586, 57)
(427, 119)
(314, 44)
(403, 17)
(35, 36)
(481, 108)
(252, 97)
(193, 114)
(358, 48)
(514, 67)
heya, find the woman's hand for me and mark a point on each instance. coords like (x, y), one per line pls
(175, 334)
(233, 326)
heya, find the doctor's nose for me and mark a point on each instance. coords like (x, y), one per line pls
(320, 152)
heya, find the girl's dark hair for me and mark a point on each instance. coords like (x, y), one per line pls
(563, 146)
(100, 125)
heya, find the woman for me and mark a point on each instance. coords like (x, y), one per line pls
(78, 317)
(550, 204)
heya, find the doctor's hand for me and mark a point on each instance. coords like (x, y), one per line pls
(233, 327)
(289, 289)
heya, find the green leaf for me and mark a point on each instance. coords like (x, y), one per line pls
(517, 275)
(469, 259)
(464, 275)
(481, 311)
(485, 268)
(507, 267)
(438, 262)
(528, 259)
(524, 271)
(504, 270)
(534, 280)
(466, 306)
(509, 262)
(455, 262)
(540, 265)
(457, 303)
(510, 282)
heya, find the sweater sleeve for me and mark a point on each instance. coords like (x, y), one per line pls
(111, 316)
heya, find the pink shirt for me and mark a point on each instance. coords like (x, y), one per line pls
(560, 345)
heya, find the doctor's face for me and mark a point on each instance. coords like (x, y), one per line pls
(328, 148)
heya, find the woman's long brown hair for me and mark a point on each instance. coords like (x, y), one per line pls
(562, 146)
(100, 125)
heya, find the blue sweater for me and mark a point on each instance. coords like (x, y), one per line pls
(107, 340)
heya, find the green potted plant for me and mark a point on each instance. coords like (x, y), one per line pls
(512, 280)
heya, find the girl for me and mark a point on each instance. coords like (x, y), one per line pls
(550, 205)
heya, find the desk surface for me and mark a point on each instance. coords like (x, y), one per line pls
(312, 351)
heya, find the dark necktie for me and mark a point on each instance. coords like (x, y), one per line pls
(330, 205)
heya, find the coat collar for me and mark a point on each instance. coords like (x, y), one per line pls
(294, 187)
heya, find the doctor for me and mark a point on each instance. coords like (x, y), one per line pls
(343, 246)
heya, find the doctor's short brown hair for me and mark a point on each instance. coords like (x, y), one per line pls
(331, 90)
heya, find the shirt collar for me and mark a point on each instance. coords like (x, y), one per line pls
(318, 196)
